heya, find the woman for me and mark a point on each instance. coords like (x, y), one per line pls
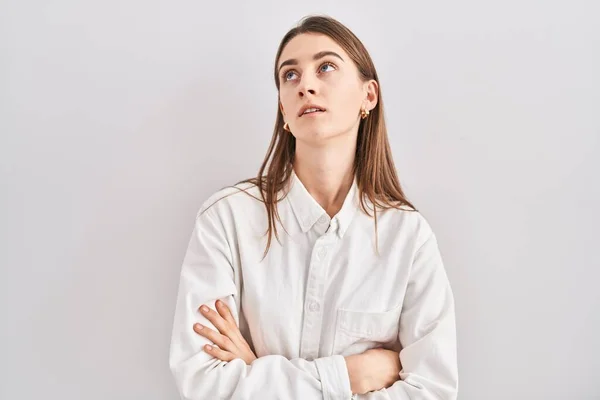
(345, 295)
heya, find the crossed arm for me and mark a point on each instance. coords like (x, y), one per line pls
(426, 333)
(372, 370)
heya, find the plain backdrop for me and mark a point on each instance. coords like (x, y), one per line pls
(119, 118)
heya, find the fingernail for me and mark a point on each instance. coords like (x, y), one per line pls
(204, 309)
(218, 303)
(199, 327)
(208, 347)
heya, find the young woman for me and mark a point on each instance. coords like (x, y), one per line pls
(317, 279)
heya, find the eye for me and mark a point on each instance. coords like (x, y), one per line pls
(327, 64)
(286, 76)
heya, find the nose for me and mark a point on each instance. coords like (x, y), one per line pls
(307, 85)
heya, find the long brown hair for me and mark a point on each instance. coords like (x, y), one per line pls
(374, 168)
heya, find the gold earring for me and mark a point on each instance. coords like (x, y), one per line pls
(364, 113)
(286, 127)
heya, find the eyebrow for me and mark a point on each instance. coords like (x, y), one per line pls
(319, 55)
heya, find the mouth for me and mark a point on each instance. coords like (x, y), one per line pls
(312, 111)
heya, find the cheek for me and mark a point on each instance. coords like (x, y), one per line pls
(347, 96)
(348, 103)
(286, 101)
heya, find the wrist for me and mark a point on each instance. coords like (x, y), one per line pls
(358, 380)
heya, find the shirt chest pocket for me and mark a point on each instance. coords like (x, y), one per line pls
(357, 331)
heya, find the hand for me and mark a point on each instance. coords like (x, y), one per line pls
(374, 369)
(231, 343)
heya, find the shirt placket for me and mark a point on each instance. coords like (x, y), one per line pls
(314, 301)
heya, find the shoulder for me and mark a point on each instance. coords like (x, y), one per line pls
(409, 224)
(241, 197)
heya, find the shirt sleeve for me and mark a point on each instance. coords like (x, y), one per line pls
(427, 334)
(207, 275)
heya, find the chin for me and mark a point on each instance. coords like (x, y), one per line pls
(320, 135)
(316, 137)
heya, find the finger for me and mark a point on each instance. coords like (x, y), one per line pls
(215, 318)
(233, 330)
(230, 330)
(222, 341)
(225, 312)
(218, 353)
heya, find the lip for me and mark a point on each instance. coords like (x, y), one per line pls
(310, 105)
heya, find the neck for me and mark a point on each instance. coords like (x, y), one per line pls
(326, 172)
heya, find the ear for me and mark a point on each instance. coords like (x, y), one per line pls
(371, 90)
(281, 108)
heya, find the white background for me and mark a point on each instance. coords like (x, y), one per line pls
(119, 118)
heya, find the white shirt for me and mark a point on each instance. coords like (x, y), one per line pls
(320, 294)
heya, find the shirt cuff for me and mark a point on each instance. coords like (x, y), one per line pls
(335, 380)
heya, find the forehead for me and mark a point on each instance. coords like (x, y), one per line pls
(304, 46)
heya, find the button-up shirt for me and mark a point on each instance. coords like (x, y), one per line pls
(323, 291)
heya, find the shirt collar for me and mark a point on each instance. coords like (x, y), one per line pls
(308, 211)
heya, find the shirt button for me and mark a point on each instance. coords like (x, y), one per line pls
(322, 252)
(314, 307)
(323, 219)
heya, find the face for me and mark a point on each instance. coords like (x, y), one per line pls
(315, 70)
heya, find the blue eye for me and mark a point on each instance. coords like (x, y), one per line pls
(327, 65)
(286, 76)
